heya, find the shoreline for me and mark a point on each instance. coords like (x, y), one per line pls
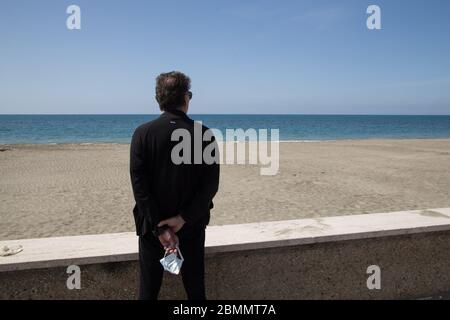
(279, 141)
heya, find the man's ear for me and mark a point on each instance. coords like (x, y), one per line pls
(156, 98)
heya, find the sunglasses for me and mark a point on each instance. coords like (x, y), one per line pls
(190, 95)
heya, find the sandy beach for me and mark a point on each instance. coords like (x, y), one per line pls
(54, 190)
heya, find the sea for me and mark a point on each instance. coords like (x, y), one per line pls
(51, 129)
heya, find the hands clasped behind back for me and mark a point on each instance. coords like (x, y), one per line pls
(169, 238)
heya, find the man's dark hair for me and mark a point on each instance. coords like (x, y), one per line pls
(171, 89)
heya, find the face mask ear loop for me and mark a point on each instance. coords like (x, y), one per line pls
(179, 252)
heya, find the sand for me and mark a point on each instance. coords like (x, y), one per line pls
(71, 189)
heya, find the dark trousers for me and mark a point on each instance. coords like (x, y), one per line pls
(192, 246)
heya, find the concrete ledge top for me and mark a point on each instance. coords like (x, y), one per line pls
(102, 248)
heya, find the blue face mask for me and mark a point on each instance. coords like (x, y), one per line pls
(172, 263)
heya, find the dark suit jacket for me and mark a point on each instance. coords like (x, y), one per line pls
(163, 189)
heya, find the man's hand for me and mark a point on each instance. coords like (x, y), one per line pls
(175, 223)
(169, 240)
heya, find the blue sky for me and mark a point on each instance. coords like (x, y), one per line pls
(243, 56)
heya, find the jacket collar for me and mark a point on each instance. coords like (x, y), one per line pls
(175, 114)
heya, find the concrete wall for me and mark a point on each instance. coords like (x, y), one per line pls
(414, 264)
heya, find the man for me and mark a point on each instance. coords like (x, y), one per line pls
(173, 201)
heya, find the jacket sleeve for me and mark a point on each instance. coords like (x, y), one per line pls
(207, 189)
(140, 182)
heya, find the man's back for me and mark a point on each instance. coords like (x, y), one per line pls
(170, 188)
